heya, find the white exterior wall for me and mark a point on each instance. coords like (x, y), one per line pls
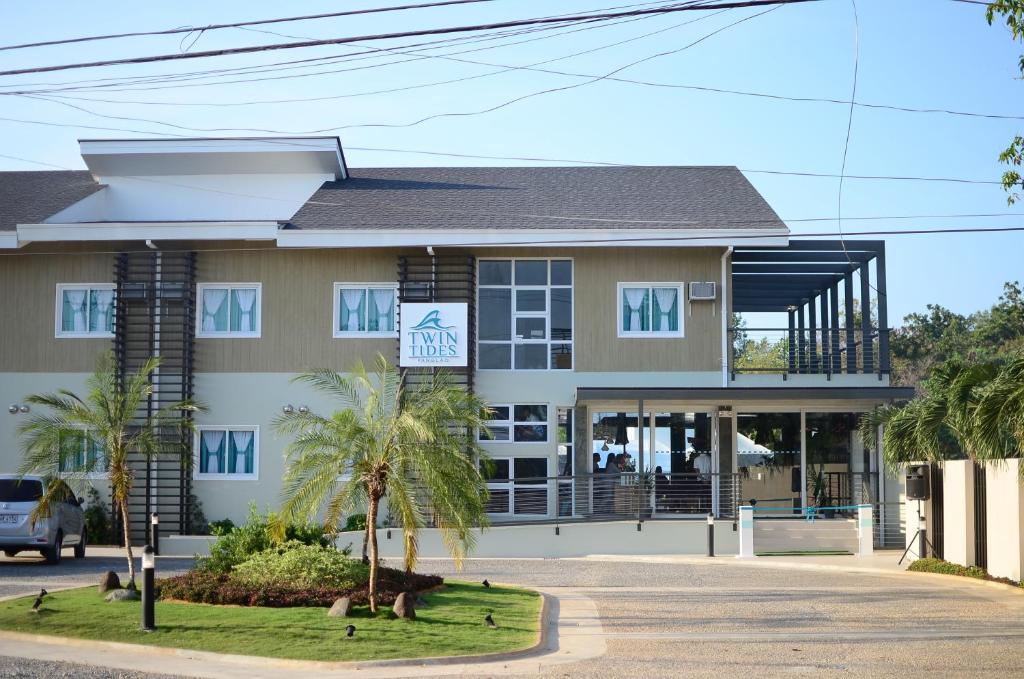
(1004, 507)
(958, 512)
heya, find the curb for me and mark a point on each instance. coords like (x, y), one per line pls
(538, 648)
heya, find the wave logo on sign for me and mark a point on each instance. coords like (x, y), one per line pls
(432, 341)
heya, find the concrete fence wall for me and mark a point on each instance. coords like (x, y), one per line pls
(1004, 510)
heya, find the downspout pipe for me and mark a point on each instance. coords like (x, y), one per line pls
(725, 316)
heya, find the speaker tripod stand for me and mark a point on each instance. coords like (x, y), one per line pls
(921, 535)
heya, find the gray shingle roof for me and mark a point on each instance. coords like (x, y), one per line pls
(31, 197)
(538, 197)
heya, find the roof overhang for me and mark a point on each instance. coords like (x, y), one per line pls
(731, 395)
(127, 231)
(360, 238)
(148, 157)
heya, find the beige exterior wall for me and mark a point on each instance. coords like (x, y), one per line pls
(297, 291)
(297, 308)
(28, 301)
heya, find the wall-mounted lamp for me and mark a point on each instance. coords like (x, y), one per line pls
(13, 409)
(24, 408)
(303, 409)
(287, 410)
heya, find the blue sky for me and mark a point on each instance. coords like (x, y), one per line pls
(935, 54)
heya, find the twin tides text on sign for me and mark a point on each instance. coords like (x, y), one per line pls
(434, 334)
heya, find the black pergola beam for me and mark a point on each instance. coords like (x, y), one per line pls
(848, 245)
(794, 268)
(743, 256)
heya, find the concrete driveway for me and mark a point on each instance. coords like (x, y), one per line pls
(668, 618)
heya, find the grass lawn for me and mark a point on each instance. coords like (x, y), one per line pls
(451, 624)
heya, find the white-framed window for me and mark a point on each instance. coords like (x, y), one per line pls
(224, 452)
(85, 310)
(365, 309)
(650, 309)
(229, 309)
(525, 314)
(517, 486)
(516, 423)
(82, 454)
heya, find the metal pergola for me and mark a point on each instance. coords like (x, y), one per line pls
(804, 280)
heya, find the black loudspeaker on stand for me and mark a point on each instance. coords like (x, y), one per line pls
(918, 489)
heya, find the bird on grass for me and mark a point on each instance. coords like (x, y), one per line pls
(350, 631)
(486, 584)
(39, 600)
(489, 619)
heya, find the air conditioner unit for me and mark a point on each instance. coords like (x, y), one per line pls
(702, 291)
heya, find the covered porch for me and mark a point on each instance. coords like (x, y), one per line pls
(646, 454)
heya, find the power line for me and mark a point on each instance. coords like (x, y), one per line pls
(214, 27)
(378, 51)
(849, 129)
(332, 58)
(400, 34)
(438, 115)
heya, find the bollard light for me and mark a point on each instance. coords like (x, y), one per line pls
(148, 583)
(154, 532)
(711, 534)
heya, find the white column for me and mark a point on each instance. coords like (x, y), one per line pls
(746, 528)
(865, 537)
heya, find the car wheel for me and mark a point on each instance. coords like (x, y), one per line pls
(80, 547)
(52, 554)
(10, 553)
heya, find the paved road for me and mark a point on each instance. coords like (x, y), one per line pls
(721, 619)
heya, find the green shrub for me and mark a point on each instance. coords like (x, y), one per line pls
(97, 519)
(294, 564)
(222, 527)
(252, 537)
(355, 522)
(947, 568)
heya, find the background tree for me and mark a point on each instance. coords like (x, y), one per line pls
(109, 416)
(413, 446)
(1012, 12)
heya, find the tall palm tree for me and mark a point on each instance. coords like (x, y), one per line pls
(409, 444)
(108, 416)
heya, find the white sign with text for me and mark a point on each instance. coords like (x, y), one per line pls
(434, 335)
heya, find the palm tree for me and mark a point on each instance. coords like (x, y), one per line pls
(107, 416)
(999, 415)
(411, 445)
(973, 410)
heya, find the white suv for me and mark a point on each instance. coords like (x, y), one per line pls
(64, 527)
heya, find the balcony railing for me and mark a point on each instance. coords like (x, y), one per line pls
(793, 351)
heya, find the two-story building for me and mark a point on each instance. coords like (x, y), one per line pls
(652, 341)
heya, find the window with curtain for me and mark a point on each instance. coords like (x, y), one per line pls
(85, 310)
(82, 453)
(519, 423)
(650, 309)
(525, 314)
(227, 452)
(365, 309)
(229, 310)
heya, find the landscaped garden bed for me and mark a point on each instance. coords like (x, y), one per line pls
(931, 565)
(450, 622)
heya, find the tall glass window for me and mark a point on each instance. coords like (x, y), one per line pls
(768, 460)
(525, 314)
